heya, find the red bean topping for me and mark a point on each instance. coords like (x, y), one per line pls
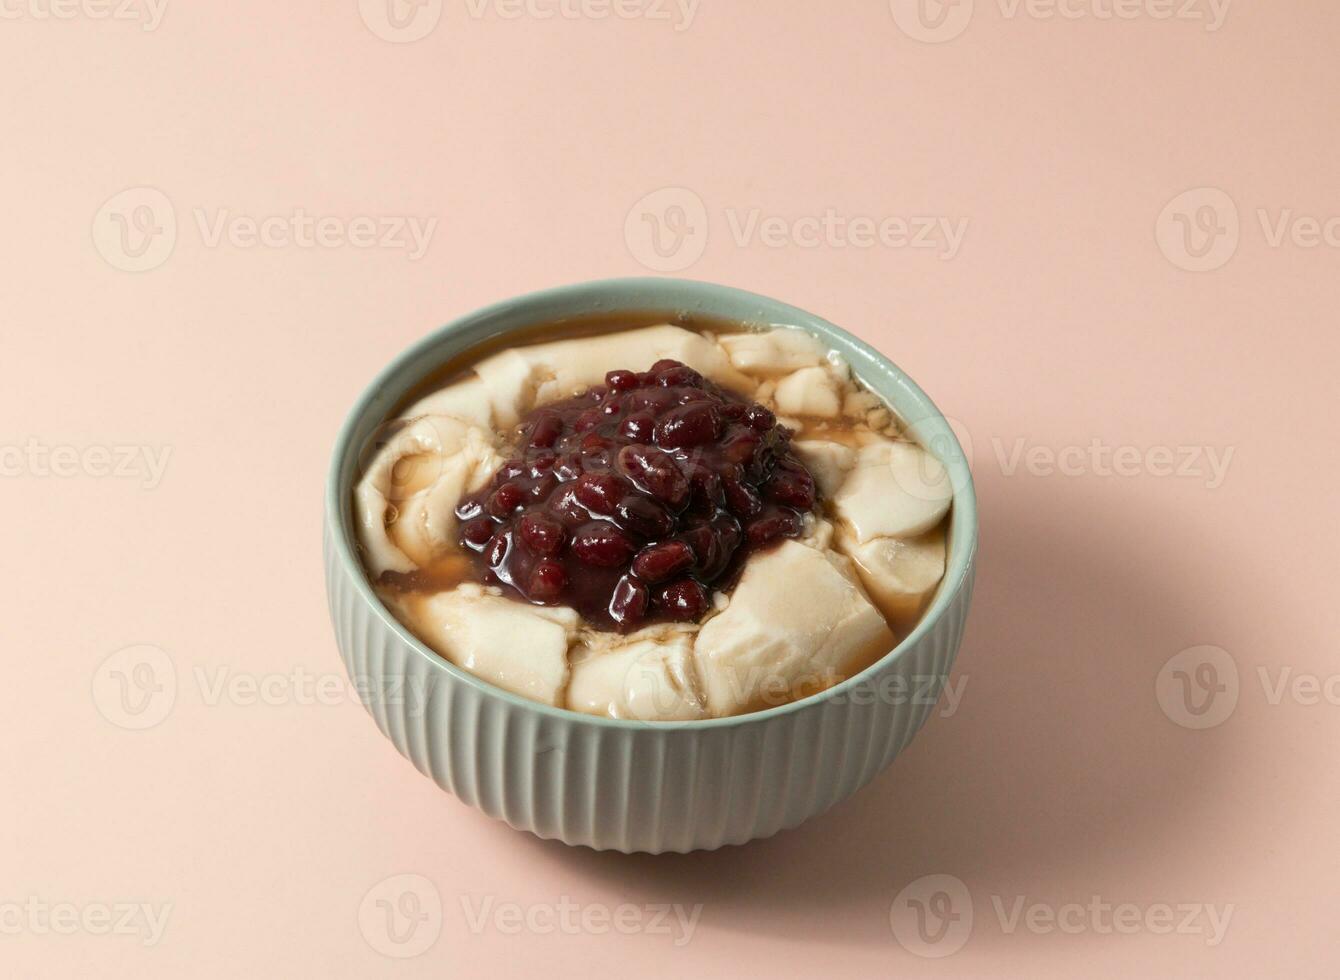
(548, 579)
(602, 545)
(662, 561)
(600, 492)
(506, 499)
(688, 425)
(627, 501)
(684, 600)
(543, 535)
(477, 532)
(621, 380)
(628, 603)
(545, 430)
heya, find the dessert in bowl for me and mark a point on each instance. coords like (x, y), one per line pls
(620, 522)
(652, 564)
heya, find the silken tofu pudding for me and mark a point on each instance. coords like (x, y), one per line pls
(660, 522)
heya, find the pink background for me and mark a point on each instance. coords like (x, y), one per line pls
(1067, 316)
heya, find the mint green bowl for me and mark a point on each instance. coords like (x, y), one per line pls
(628, 785)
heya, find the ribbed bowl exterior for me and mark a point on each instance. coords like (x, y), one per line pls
(623, 785)
(636, 787)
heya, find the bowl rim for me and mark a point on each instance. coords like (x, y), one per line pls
(699, 294)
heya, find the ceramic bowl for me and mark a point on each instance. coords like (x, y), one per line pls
(627, 785)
